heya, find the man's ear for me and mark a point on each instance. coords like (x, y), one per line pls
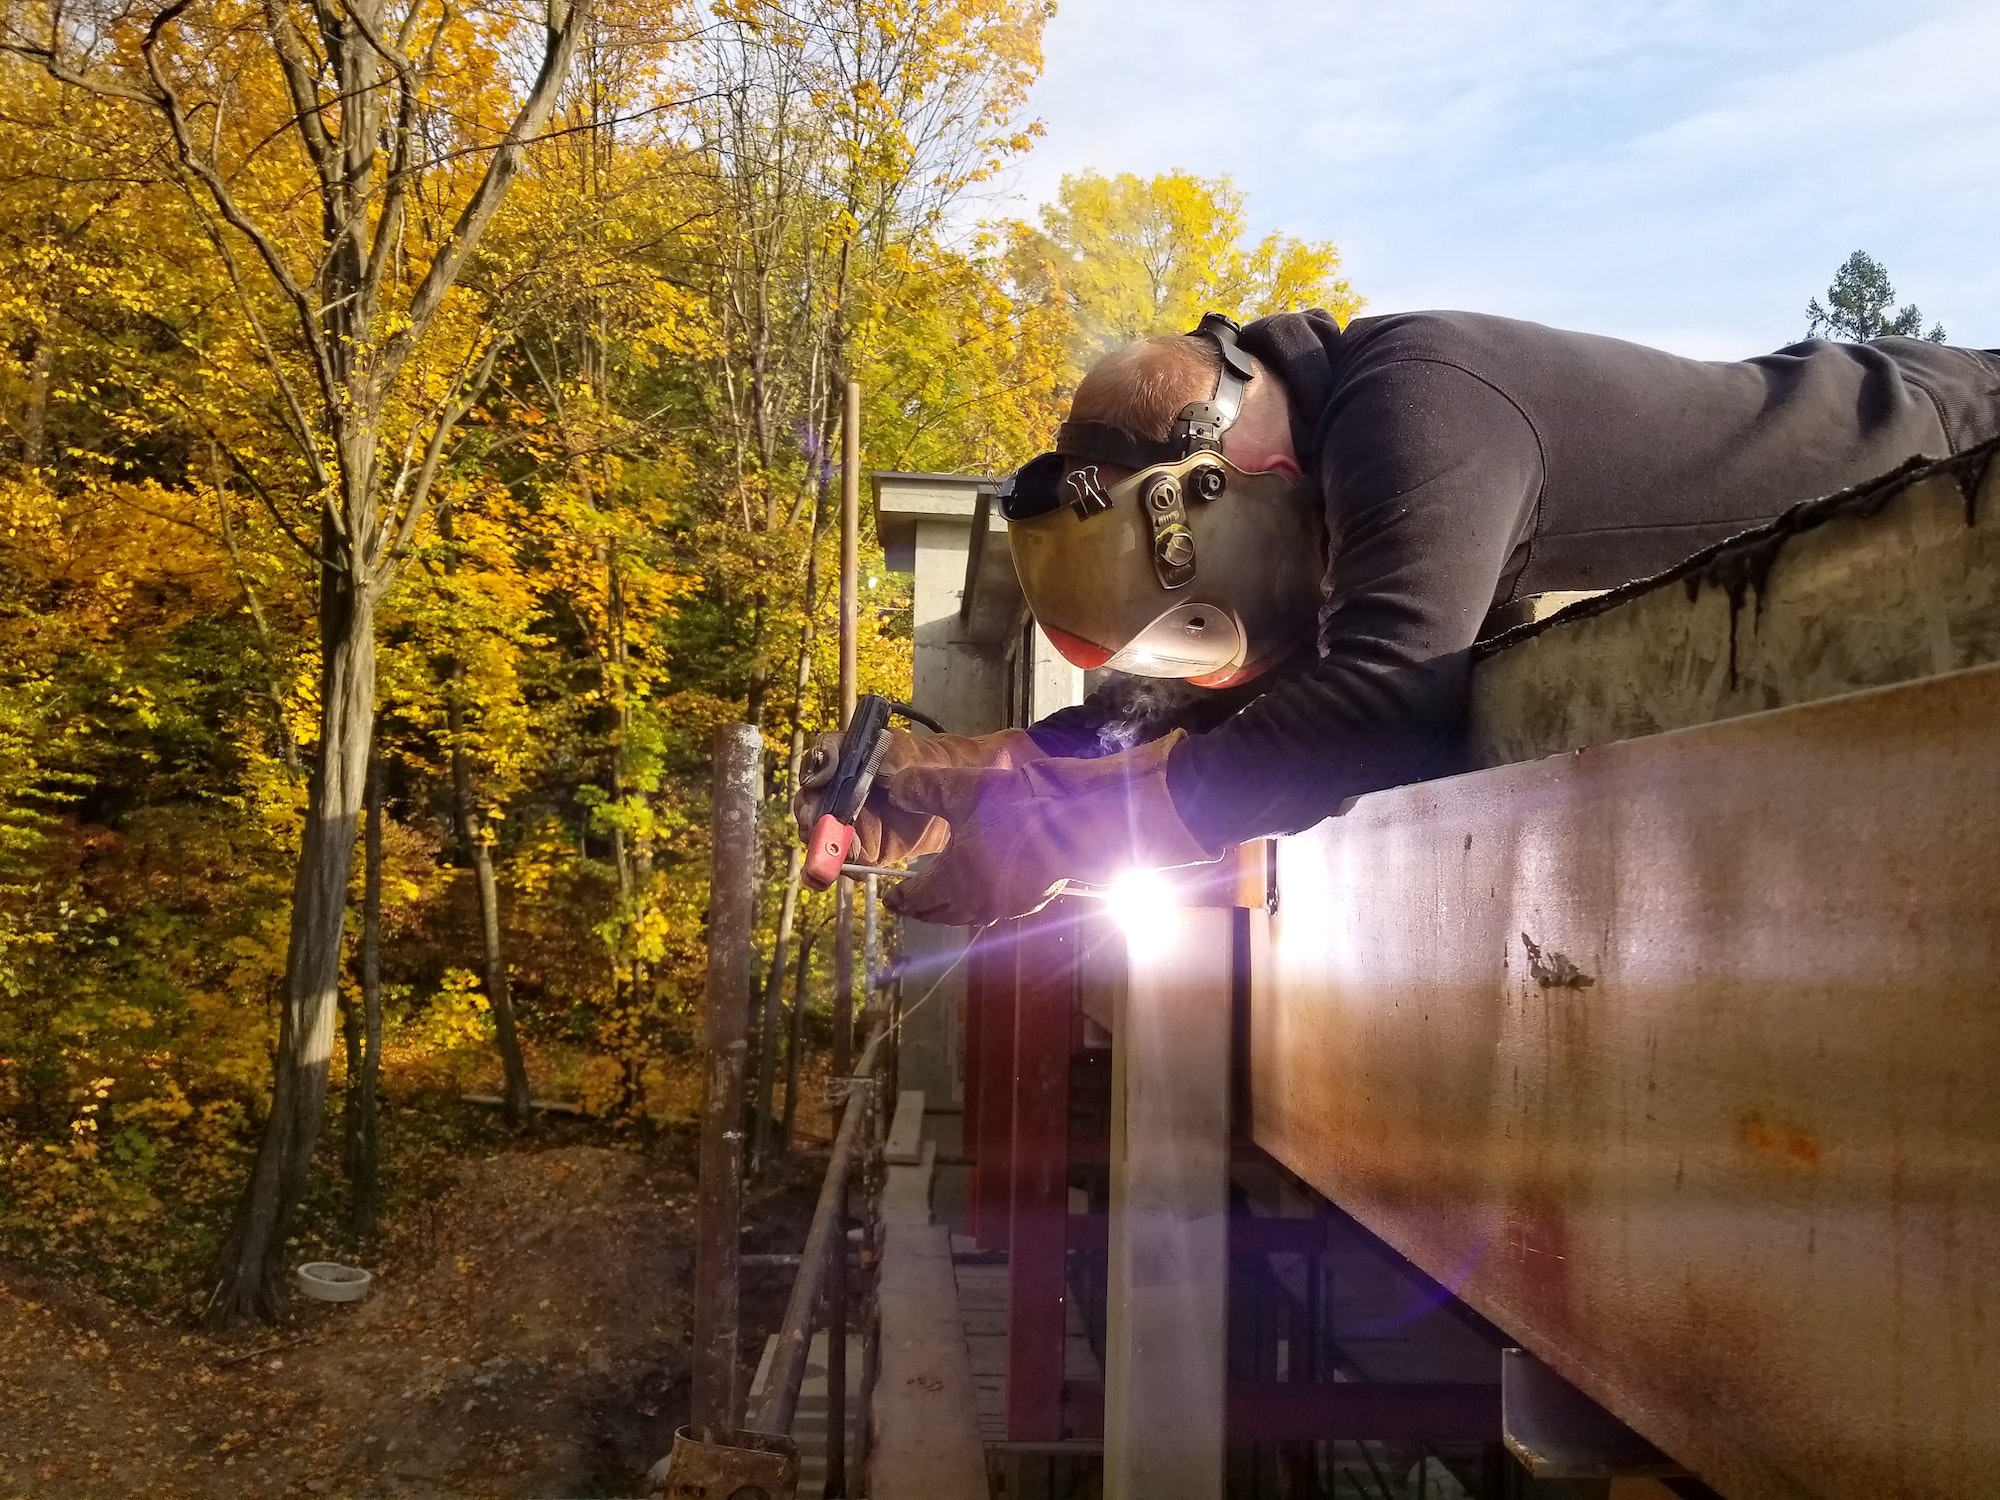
(1268, 463)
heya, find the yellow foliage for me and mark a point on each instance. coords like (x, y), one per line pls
(1127, 256)
(623, 415)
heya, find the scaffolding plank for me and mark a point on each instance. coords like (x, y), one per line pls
(1679, 1059)
(927, 1438)
(905, 1145)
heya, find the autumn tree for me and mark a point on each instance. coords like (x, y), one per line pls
(343, 160)
(1130, 256)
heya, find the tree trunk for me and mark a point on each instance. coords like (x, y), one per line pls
(364, 1178)
(793, 1045)
(498, 994)
(768, 1012)
(250, 1270)
(350, 1119)
(35, 420)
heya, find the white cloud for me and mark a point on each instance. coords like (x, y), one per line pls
(1687, 173)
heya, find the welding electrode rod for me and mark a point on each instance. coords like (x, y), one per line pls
(732, 911)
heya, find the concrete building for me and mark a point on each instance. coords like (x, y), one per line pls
(981, 665)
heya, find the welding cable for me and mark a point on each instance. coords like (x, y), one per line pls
(910, 1010)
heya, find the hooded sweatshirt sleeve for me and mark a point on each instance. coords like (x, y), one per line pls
(1430, 477)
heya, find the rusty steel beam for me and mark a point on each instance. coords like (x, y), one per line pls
(1679, 1060)
(989, 987)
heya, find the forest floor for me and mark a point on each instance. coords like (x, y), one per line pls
(527, 1337)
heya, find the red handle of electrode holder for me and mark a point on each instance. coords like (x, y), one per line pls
(828, 851)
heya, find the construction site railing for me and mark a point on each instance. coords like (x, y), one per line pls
(853, 1145)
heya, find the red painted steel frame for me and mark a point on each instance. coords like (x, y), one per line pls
(991, 978)
(1305, 1411)
(1045, 992)
(969, 1066)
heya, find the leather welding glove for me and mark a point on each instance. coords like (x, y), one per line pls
(1018, 833)
(886, 834)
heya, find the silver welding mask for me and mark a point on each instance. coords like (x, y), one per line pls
(1189, 566)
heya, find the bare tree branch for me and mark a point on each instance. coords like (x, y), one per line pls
(386, 564)
(485, 201)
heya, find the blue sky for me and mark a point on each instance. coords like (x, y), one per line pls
(1682, 172)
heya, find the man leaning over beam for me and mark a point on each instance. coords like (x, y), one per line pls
(1283, 540)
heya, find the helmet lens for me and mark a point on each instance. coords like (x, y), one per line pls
(1189, 640)
(1034, 490)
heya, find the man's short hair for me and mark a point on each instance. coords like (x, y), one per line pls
(1142, 387)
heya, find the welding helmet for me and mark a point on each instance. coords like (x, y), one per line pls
(1188, 566)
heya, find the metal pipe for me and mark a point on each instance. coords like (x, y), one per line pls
(732, 902)
(850, 549)
(780, 1405)
(871, 1263)
(836, 1282)
(871, 934)
(795, 1043)
(770, 1007)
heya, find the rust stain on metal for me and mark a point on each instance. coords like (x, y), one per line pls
(1791, 1143)
(1553, 970)
(1537, 1240)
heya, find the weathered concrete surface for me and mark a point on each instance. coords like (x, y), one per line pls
(1892, 581)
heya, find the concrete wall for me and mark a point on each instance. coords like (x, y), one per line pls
(971, 686)
(1892, 581)
(963, 684)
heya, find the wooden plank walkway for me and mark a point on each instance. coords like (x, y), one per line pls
(982, 1308)
(927, 1435)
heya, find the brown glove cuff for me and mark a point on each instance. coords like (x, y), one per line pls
(1006, 750)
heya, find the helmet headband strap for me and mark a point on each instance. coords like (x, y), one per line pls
(1198, 428)
(1033, 489)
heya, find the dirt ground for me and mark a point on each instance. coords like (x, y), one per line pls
(527, 1337)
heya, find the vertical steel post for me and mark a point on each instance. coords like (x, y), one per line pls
(850, 549)
(843, 937)
(1165, 1366)
(871, 939)
(993, 1170)
(1037, 1271)
(732, 911)
(836, 1276)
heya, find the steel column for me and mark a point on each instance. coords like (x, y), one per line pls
(1045, 1006)
(992, 975)
(1165, 1370)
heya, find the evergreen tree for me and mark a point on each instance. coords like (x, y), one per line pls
(1859, 304)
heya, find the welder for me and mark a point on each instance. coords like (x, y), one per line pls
(1281, 543)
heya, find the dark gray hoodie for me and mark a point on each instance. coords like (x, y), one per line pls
(1467, 460)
